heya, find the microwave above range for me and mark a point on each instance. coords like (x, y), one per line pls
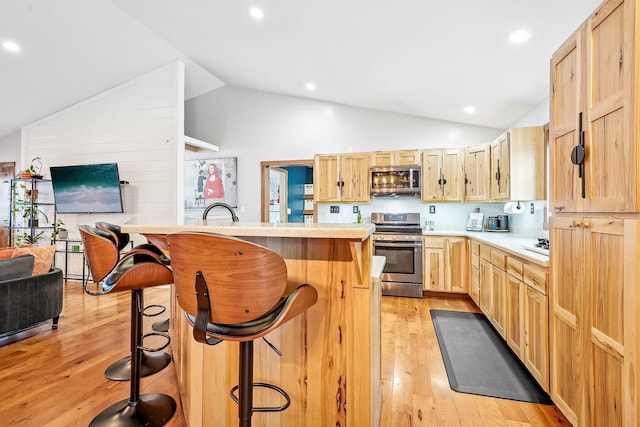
(395, 180)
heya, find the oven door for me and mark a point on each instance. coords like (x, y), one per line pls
(404, 261)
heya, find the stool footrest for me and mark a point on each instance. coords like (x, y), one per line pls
(158, 334)
(266, 408)
(161, 309)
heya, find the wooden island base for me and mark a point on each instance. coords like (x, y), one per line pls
(330, 363)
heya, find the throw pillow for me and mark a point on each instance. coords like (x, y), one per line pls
(17, 267)
(6, 252)
(43, 257)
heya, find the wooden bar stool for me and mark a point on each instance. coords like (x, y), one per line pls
(234, 290)
(122, 240)
(152, 362)
(132, 273)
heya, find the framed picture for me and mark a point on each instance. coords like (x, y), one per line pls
(476, 221)
(211, 180)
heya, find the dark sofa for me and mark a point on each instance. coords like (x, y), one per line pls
(27, 301)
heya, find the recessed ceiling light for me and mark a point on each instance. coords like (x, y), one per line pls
(519, 36)
(311, 86)
(469, 109)
(11, 46)
(256, 13)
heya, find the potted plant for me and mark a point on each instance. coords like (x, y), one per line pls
(59, 231)
(30, 213)
(33, 171)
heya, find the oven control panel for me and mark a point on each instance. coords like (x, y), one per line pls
(397, 237)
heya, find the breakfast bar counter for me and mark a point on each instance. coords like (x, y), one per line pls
(330, 363)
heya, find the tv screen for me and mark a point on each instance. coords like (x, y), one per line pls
(86, 188)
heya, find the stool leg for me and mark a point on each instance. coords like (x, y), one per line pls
(150, 410)
(245, 382)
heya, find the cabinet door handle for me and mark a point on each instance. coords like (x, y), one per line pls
(578, 155)
(576, 224)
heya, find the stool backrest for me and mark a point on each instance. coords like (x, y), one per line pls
(245, 280)
(122, 239)
(101, 251)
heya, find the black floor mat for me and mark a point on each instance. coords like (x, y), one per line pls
(479, 361)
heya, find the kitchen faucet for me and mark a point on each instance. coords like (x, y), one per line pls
(234, 217)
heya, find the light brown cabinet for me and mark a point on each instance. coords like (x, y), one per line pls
(395, 158)
(476, 169)
(594, 176)
(341, 178)
(592, 333)
(515, 289)
(474, 271)
(500, 161)
(443, 175)
(513, 297)
(445, 264)
(593, 123)
(535, 316)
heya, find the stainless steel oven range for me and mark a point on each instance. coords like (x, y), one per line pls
(398, 237)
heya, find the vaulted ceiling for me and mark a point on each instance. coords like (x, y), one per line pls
(426, 58)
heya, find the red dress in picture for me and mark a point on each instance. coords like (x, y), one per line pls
(213, 188)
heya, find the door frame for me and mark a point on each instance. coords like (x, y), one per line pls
(264, 177)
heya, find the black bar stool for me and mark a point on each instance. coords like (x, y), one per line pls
(132, 273)
(234, 290)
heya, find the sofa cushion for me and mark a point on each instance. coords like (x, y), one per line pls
(43, 257)
(16, 267)
(6, 252)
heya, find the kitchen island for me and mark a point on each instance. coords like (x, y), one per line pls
(330, 365)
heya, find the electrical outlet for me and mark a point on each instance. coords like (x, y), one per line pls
(356, 209)
(335, 209)
(432, 209)
(531, 209)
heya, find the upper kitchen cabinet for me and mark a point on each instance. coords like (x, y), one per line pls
(476, 170)
(592, 122)
(518, 165)
(500, 168)
(395, 158)
(443, 175)
(341, 177)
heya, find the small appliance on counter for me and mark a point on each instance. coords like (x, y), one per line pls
(498, 223)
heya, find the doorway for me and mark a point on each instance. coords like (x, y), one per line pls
(291, 194)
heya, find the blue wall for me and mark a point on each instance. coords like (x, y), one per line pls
(298, 176)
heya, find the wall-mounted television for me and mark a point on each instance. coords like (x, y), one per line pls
(87, 188)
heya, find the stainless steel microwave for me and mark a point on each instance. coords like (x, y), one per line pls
(395, 180)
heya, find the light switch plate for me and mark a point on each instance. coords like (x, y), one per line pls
(334, 209)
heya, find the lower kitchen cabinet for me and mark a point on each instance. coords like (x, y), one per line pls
(593, 315)
(536, 334)
(474, 271)
(513, 296)
(514, 327)
(445, 264)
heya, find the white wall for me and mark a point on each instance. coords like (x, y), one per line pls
(258, 126)
(139, 125)
(537, 116)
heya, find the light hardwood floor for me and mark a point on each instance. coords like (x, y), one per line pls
(55, 378)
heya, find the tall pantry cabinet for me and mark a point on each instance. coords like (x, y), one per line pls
(595, 209)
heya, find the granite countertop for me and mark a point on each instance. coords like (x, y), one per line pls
(509, 242)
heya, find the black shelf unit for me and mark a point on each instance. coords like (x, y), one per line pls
(71, 247)
(26, 211)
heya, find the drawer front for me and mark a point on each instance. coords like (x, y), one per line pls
(499, 259)
(536, 277)
(485, 252)
(514, 267)
(475, 247)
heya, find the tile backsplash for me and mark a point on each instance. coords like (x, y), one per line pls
(447, 216)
